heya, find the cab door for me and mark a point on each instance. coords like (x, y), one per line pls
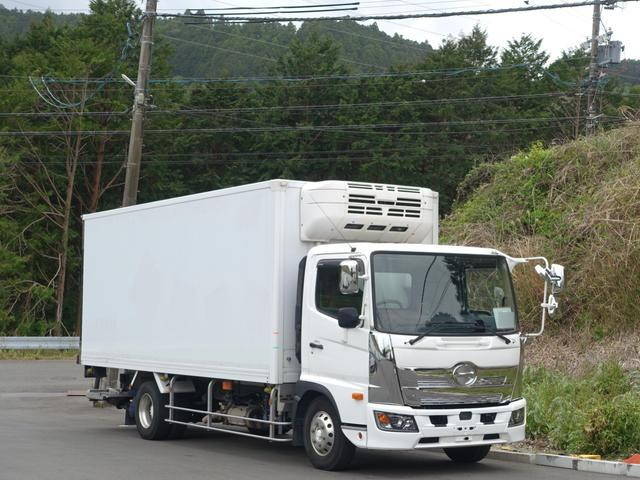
(335, 357)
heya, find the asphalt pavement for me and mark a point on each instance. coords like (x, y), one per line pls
(45, 434)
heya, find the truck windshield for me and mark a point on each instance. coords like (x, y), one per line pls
(442, 294)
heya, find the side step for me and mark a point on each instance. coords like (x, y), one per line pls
(272, 423)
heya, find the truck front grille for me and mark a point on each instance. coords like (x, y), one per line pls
(437, 387)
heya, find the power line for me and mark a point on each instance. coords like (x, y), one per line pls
(229, 158)
(300, 83)
(195, 111)
(256, 161)
(207, 45)
(412, 27)
(622, 75)
(477, 147)
(300, 78)
(288, 7)
(389, 42)
(445, 101)
(276, 45)
(360, 18)
(396, 3)
(281, 12)
(226, 161)
(237, 52)
(305, 128)
(197, 157)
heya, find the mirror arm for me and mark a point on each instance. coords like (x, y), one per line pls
(364, 277)
(534, 259)
(543, 305)
(544, 314)
(363, 309)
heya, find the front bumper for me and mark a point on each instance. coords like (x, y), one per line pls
(455, 433)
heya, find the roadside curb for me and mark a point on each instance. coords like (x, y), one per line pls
(570, 463)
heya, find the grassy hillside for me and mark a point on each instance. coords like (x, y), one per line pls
(578, 204)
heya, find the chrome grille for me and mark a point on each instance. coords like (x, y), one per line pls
(434, 382)
(423, 387)
(457, 399)
(443, 382)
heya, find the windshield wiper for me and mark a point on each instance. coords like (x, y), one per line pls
(498, 334)
(432, 328)
(494, 331)
(479, 324)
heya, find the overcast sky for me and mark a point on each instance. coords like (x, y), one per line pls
(558, 29)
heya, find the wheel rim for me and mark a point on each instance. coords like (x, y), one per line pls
(322, 433)
(145, 410)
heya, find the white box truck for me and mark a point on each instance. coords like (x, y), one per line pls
(319, 313)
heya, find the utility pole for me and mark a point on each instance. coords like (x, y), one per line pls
(130, 195)
(134, 156)
(594, 70)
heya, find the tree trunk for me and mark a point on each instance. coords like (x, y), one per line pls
(64, 243)
(97, 176)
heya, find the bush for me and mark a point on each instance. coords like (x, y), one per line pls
(596, 413)
(578, 204)
(613, 428)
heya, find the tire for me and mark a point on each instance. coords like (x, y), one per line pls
(324, 442)
(151, 412)
(467, 454)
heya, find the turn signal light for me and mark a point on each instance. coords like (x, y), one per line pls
(227, 385)
(357, 396)
(383, 418)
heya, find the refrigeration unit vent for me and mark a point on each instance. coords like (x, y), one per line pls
(388, 188)
(335, 211)
(372, 205)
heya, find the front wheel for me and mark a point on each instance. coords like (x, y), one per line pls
(467, 454)
(324, 442)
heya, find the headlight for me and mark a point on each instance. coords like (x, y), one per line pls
(395, 423)
(517, 417)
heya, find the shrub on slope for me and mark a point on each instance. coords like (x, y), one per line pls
(578, 204)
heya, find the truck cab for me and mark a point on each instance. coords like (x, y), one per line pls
(418, 346)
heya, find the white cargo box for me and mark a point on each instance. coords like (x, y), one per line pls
(205, 285)
(199, 285)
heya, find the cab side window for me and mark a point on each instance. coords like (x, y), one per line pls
(328, 297)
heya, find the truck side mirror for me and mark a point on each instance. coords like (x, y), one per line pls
(557, 277)
(554, 275)
(349, 277)
(348, 317)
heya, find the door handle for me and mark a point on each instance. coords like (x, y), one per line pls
(316, 345)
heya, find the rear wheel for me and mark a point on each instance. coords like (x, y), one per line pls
(467, 454)
(324, 442)
(151, 412)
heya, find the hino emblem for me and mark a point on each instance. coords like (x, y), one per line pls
(465, 374)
